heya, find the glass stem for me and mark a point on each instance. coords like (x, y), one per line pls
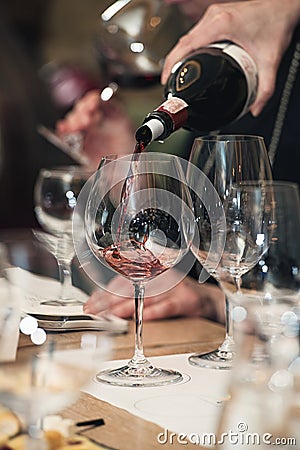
(64, 267)
(65, 277)
(35, 438)
(139, 292)
(229, 321)
(237, 283)
(228, 345)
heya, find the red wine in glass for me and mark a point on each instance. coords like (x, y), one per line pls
(146, 266)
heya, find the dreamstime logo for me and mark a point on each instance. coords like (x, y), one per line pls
(239, 437)
(99, 186)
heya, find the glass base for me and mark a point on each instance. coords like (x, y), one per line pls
(61, 302)
(139, 375)
(216, 359)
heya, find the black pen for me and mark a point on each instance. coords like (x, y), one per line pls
(91, 423)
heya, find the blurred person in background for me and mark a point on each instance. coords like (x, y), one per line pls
(28, 99)
(135, 74)
(106, 129)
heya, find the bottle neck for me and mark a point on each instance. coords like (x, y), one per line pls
(162, 122)
(150, 131)
(177, 109)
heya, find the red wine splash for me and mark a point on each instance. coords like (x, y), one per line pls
(133, 258)
(127, 186)
(133, 261)
(146, 266)
(139, 147)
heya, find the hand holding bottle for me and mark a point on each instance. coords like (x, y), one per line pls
(261, 27)
(206, 91)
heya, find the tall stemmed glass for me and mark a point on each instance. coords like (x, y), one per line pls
(249, 213)
(139, 222)
(47, 380)
(270, 291)
(226, 161)
(44, 378)
(56, 193)
(264, 385)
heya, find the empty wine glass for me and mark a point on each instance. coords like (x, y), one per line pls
(139, 222)
(45, 381)
(56, 193)
(249, 213)
(134, 37)
(262, 392)
(40, 379)
(270, 291)
(226, 161)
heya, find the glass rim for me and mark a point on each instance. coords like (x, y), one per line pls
(229, 137)
(270, 183)
(64, 169)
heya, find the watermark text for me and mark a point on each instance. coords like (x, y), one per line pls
(240, 437)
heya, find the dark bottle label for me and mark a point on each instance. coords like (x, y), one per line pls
(190, 73)
(218, 83)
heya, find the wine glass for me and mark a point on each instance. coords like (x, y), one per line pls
(262, 391)
(39, 380)
(133, 39)
(55, 194)
(226, 161)
(44, 381)
(249, 213)
(270, 291)
(139, 222)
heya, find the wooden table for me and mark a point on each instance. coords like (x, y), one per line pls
(122, 430)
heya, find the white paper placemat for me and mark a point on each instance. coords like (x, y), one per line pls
(192, 406)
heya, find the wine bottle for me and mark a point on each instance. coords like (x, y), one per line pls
(209, 89)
